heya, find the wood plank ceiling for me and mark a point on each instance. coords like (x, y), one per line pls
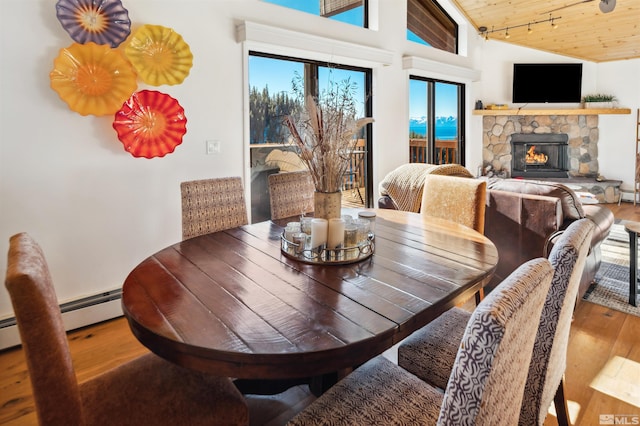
(583, 30)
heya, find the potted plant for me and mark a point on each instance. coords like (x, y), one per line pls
(324, 131)
(598, 100)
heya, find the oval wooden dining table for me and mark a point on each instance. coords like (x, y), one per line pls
(231, 303)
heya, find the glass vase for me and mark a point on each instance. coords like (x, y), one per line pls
(327, 205)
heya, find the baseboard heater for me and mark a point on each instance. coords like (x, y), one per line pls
(75, 314)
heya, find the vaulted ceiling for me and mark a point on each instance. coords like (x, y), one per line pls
(583, 30)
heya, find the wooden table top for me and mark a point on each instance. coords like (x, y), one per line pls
(232, 304)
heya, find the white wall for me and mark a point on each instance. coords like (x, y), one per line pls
(97, 211)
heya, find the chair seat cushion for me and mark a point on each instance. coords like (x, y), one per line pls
(377, 393)
(430, 352)
(118, 396)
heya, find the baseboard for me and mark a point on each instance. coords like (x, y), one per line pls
(75, 314)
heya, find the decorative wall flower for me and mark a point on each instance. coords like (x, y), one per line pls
(160, 55)
(99, 21)
(150, 124)
(92, 78)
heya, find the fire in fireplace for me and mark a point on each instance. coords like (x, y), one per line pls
(539, 155)
(534, 157)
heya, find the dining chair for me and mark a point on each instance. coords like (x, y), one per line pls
(212, 205)
(146, 390)
(487, 381)
(459, 199)
(430, 352)
(290, 194)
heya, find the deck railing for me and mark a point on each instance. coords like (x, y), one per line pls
(446, 151)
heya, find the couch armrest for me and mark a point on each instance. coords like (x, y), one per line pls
(519, 225)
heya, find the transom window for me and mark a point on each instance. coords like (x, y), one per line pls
(428, 23)
(352, 12)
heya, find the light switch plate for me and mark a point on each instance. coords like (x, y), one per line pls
(213, 147)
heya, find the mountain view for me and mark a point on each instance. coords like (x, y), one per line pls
(446, 127)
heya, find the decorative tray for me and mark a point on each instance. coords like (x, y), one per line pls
(339, 256)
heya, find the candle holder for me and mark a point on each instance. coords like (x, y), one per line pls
(298, 250)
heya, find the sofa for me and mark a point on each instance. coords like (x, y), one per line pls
(523, 218)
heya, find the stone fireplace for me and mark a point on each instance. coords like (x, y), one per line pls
(581, 145)
(581, 150)
(539, 155)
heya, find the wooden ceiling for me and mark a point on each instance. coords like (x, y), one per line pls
(583, 31)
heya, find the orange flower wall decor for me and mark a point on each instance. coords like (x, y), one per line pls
(150, 124)
(93, 78)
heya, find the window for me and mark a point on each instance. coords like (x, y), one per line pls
(436, 121)
(428, 23)
(271, 98)
(352, 12)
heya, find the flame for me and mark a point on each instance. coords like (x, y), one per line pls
(534, 157)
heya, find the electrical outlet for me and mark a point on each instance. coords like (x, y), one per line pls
(213, 147)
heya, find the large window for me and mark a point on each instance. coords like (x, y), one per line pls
(352, 12)
(274, 85)
(436, 121)
(429, 24)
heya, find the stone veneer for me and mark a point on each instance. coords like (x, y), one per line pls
(581, 129)
(582, 149)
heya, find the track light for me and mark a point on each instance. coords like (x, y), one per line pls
(484, 31)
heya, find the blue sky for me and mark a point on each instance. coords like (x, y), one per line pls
(278, 78)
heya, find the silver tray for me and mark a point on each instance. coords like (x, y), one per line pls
(339, 256)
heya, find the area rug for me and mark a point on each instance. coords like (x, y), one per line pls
(611, 287)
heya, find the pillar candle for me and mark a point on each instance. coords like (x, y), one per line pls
(335, 238)
(318, 233)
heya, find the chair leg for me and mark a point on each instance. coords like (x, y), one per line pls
(560, 402)
(479, 296)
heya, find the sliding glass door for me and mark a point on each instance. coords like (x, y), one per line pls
(436, 121)
(274, 85)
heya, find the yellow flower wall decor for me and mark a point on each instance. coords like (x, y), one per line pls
(159, 55)
(93, 78)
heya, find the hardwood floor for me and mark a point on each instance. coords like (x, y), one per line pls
(602, 376)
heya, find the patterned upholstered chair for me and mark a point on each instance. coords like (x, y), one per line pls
(290, 194)
(430, 352)
(145, 391)
(487, 381)
(212, 205)
(459, 199)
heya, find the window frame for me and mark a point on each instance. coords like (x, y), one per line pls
(431, 117)
(368, 104)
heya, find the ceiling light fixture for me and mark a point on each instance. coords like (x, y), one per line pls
(484, 31)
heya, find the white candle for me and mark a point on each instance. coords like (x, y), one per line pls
(335, 239)
(318, 233)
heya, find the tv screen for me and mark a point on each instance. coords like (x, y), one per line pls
(542, 83)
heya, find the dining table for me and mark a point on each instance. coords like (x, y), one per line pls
(232, 303)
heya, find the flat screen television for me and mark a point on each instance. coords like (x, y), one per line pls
(547, 83)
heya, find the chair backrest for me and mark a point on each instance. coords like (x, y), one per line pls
(462, 200)
(290, 194)
(212, 205)
(487, 382)
(44, 340)
(549, 360)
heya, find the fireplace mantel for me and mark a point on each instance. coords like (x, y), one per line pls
(567, 111)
